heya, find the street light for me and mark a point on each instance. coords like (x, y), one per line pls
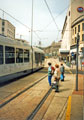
(77, 62)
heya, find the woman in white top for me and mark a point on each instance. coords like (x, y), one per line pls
(57, 77)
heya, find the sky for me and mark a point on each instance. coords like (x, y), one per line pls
(45, 29)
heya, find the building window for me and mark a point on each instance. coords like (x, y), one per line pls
(78, 28)
(2, 29)
(79, 37)
(3, 23)
(1, 54)
(75, 30)
(82, 26)
(75, 40)
(69, 13)
(9, 55)
(19, 55)
(82, 37)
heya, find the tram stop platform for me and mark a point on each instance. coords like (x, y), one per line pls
(77, 101)
(67, 104)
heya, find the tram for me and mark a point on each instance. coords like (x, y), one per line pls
(18, 59)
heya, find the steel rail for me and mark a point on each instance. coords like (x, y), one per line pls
(34, 112)
(12, 98)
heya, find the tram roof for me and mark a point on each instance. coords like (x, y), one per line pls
(13, 42)
(38, 50)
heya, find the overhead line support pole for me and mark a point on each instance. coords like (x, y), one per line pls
(32, 35)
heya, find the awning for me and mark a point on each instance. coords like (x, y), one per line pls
(73, 50)
(64, 51)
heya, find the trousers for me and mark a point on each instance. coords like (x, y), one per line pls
(49, 80)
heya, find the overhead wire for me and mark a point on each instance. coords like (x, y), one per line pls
(58, 15)
(14, 18)
(51, 14)
(19, 22)
(46, 26)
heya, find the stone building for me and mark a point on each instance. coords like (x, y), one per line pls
(7, 29)
(73, 25)
(53, 49)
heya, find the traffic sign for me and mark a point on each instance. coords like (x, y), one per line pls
(72, 54)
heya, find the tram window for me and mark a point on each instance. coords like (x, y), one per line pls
(1, 54)
(26, 55)
(36, 57)
(19, 55)
(40, 56)
(9, 55)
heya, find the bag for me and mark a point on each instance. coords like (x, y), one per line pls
(57, 79)
(61, 77)
(52, 70)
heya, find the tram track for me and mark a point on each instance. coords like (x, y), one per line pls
(18, 93)
(34, 112)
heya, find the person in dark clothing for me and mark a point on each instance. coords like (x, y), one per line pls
(62, 70)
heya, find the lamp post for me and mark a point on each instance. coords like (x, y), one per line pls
(77, 62)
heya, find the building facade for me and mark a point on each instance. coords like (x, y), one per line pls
(7, 29)
(53, 49)
(66, 37)
(74, 25)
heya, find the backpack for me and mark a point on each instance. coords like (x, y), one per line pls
(52, 70)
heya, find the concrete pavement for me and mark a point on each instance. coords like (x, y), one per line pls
(77, 102)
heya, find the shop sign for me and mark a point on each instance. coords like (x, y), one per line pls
(80, 9)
